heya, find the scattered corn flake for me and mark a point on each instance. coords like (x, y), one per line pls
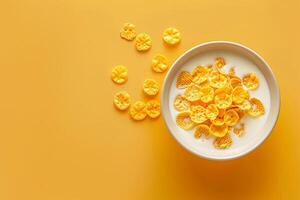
(201, 129)
(171, 36)
(137, 110)
(122, 100)
(183, 79)
(160, 63)
(257, 108)
(192, 93)
(250, 81)
(239, 94)
(223, 100)
(197, 114)
(119, 74)
(143, 42)
(239, 130)
(212, 112)
(223, 142)
(128, 32)
(150, 87)
(184, 121)
(231, 118)
(153, 108)
(218, 131)
(181, 104)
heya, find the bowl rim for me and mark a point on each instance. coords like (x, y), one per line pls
(276, 94)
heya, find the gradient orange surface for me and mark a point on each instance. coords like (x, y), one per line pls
(61, 137)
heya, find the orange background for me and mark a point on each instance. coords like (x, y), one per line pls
(61, 137)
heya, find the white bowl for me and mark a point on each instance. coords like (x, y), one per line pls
(245, 60)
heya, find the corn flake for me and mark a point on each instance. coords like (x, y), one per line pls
(181, 104)
(200, 74)
(171, 36)
(212, 112)
(192, 93)
(257, 108)
(197, 114)
(239, 95)
(223, 142)
(239, 131)
(250, 81)
(143, 42)
(219, 62)
(128, 32)
(119, 74)
(184, 121)
(223, 100)
(218, 131)
(122, 100)
(184, 79)
(231, 118)
(202, 129)
(138, 110)
(153, 108)
(150, 87)
(234, 82)
(207, 94)
(160, 63)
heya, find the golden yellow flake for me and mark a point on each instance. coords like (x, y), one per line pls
(257, 108)
(160, 63)
(207, 94)
(150, 87)
(223, 142)
(235, 82)
(171, 36)
(143, 42)
(231, 118)
(239, 131)
(184, 121)
(223, 100)
(218, 131)
(245, 105)
(181, 104)
(119, 74)
(200, 74)
(219, 62)
(184, 79)
(202, 129)
(122, 100)
(219, 80)
(212, 112)
(192, 93)
(197, 114)
(239, 94)
(128, 31)
(250, 81)
(137, 111)
(153, 108)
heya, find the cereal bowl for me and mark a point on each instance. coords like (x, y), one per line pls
(245, 61)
